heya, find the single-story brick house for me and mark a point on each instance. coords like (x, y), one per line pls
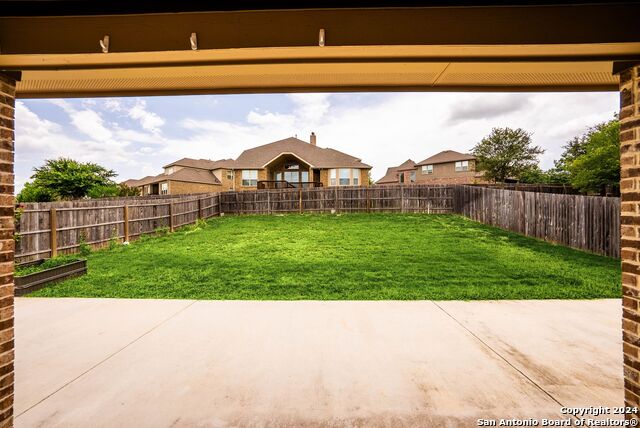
(285, 163)
(446, 167)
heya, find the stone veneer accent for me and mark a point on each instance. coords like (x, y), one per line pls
(7, 247)
(630, 233)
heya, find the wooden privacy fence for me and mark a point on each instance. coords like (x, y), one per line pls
(347, 199)
(589, 223)
(50, 228)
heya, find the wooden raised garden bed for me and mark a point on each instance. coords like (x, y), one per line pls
(35, 281)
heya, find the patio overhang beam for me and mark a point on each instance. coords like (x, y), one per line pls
(445, 48)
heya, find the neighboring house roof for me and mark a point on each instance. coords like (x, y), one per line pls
(202, 163)
(146, 180)
(317, 157)
(446, 157)
(392, 173)
(390, 177)
(406, 165)
(130, 182)
(192, 175)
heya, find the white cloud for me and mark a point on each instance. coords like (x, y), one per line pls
(86, 121)
(149, 120)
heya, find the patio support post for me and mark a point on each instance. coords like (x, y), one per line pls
(7, 245)
(630, 230)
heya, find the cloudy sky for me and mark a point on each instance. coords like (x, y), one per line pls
(136, 136)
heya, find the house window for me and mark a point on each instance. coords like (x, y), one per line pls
(344, 177)
(401, 176)
(250, 177)
(229, 174)
(462, 166)
(164, 188)
(427, 169)
(412, 176)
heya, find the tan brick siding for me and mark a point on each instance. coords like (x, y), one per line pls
(630, 230)
(7, 248)
(262, 175)
(445, 173)
(225, 183)
(183, 187)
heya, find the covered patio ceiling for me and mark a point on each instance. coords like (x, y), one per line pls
(443, 48)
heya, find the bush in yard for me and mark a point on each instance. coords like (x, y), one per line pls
(506, 153)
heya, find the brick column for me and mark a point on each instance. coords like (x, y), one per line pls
(630, 224)
(7, 246)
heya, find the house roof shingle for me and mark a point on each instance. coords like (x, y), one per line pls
(318, 157)
(192, 175)
(406, 165)
(202, 163)
(391, 175)
(445, 157)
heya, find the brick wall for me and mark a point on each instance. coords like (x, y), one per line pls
(445, 173)
(630, 230)
(7, 246)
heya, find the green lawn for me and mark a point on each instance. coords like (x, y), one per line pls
(355, 256)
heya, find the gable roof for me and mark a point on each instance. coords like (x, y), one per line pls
(202, 163)
(318, 157)
(192, 175)
(446, 156)
(390, 177)
(406, 165)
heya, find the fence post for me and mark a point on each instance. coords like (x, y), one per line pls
(335, 189)
(126, 223)
(366, 193)
(199, 208)
(171, 216)
(401, 199)
(300, 199)
(268, 201)
(53, 235)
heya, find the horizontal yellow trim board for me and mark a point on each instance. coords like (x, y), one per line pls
(325, 77)
(570, 52)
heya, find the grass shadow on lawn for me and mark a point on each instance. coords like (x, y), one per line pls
(354, 256)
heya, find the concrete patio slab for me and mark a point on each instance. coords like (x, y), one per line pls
(306, 363)
(570, 348)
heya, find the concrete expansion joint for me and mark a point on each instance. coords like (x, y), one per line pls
(499, 355)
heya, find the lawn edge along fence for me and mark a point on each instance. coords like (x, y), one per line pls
(590, 223)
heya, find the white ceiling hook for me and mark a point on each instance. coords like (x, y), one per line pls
(104, 44)
(321, 37)
(194, 41)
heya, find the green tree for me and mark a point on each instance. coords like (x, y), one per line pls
(66, 179)
(506, 153)
(596, 166)
(34, 193)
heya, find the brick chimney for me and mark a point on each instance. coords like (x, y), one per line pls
(312, 139)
